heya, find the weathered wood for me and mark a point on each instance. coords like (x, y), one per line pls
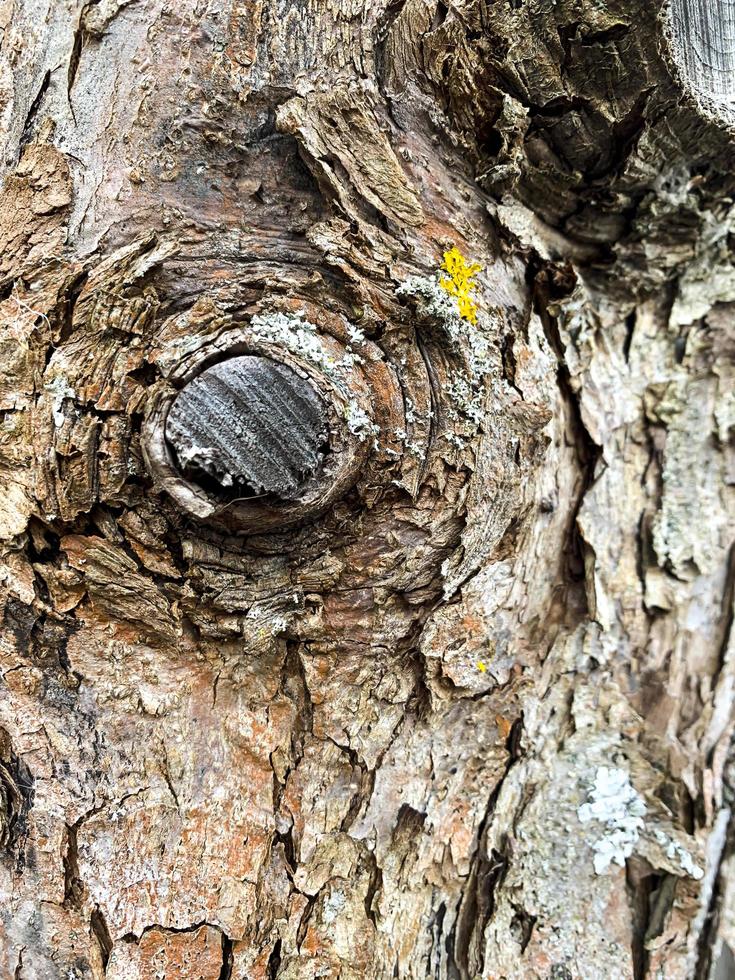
(250, 424)
(704, 35)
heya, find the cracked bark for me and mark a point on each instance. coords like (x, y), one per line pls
(346, 729)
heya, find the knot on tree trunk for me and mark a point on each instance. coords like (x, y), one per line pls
(268, 423)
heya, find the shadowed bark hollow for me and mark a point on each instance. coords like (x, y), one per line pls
(366, 490)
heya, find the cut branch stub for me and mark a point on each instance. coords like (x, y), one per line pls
(266, 424)
(249, 424)
(703, 40)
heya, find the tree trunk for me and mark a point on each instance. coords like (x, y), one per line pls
(367, 489)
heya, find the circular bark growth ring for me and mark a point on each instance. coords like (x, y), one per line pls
(258, 431)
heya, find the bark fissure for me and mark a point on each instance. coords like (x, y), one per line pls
(361, 714)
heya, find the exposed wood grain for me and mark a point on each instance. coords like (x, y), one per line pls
(249, 423)
(704, 32)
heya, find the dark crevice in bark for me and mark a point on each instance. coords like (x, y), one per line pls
(227, 947)
(437, 926)
(169, 781)
(274, 961)
(102, 935)
(434, 401)
(364, 790)
(615, 33)
(73, 884)
(728, 611)
(588, 454)
(521, 926)
(43, 637)
(388, 17)
(74, 889)
(440, 15)
(509, 362)
(34, 107)
(16, 799)
(420, 699)
(75, 57)
(630, 322)
(442, 945)
(476, 906)
(285, 838)
(375, 886)
(295, 687)
(642, 886)
(642, 553)
(304, 921)
(131, 937)
(549, 284)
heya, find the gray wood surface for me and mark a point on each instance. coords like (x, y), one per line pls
(249, 423)
(704, 31)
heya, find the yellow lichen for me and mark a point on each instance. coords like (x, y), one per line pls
(481, 666)
(459, 282)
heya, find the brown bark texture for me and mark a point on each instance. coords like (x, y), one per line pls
(445, 690)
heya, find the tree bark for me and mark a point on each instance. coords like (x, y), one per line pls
(413, 656)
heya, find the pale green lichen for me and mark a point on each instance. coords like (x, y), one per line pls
(465, 389)
(61, 391)
(297, 334)
(615, 804)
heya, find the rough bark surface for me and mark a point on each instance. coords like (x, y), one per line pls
(461, 707)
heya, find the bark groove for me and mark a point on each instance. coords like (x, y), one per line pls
(444, 686)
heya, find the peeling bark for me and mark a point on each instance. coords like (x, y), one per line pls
(453, 697)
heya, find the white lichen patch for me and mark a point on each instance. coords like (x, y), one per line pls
(359, 422)
(412, 447)
(355, 334)
(613, 802)
(297, 334)
(467, 397)
(437, 303)
(457, 441)
(465, 389)
(410, 411)
(676, 852)
(61, 390)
